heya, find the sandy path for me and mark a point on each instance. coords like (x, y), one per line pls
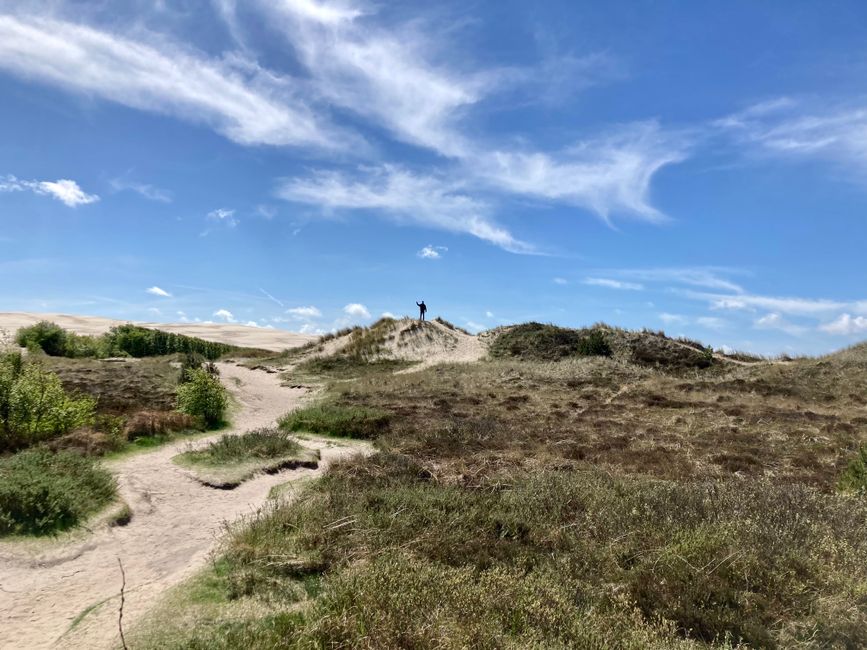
(176, 522)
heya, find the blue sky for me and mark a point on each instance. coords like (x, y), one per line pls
(694, 167)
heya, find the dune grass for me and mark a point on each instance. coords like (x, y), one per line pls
(230, 460)
(42, 492)
(339, 421)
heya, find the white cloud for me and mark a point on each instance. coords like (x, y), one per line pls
(64, 190)
(222, 215)
(775, 321)
(489, 314)
(752, 302)
(846, 325)
(388, 314)
(236, 97)
(154, 310)
(383, 75)
(225, 314)
(792, 129)
(711, 322)
(609, 175)
(147, 191)
(669, 319)
(406, 198)
(432, 252)
(560, 281)
(706, 277)
(614, 284)
(475, 328)
(305, 313)
(251, 323)
(356, 309)
(156, 291)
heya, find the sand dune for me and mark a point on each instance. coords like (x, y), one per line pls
(233, 334)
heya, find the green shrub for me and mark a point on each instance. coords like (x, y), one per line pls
(34, 406)
(42, 492)
(335, 420)
(854, 477)
(594, 345)
(202, 395)
(143, 342)
(45, 336)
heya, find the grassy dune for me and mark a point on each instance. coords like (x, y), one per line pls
(595, 501)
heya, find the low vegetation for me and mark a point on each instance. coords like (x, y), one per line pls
(654, 497)
(43, 492)
(230, 460)
(336, 420)
(123, 340)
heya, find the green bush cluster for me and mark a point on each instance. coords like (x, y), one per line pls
(337, 420)
(123, 340)
(43, 492)
(34, 406)
(537, 341)
(202, 395)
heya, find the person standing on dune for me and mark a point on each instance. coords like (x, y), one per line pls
(422, 308)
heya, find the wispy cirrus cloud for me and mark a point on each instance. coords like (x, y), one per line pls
(149, 192)
(405, 197)
(64, 190)
(613, 284)
(157, 291)
(238, 98)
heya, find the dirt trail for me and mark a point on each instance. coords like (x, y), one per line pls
(176, 522)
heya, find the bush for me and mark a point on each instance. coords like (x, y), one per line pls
(34, 406)
(335, 420)
(42, 492)
(202, 395)
(854, 478)
(45, 336)
(549, 342)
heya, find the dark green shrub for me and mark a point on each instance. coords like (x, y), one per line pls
(45, 336)
(535, 341)
(143, 342)
(594, 345)
(202, 395)
(42, 492)
(334, 420)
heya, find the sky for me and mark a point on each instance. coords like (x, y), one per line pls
(697, 168)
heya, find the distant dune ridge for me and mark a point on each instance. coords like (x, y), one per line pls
(230, 333)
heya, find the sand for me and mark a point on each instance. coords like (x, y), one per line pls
(176, 523)
(231, 333)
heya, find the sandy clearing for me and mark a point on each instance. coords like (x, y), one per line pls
(230, 333)
(176, 523)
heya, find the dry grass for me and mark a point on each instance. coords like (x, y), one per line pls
(121, 387)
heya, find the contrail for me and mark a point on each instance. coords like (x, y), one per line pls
(271, 297)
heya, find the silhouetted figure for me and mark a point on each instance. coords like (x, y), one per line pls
(422, 308)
